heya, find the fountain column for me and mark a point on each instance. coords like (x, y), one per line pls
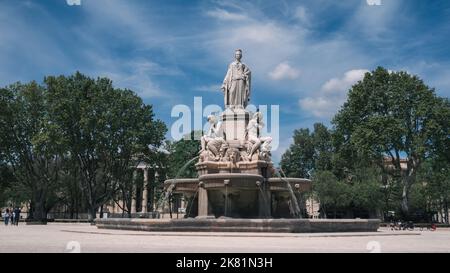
(202, 202)
(145, 192)
(264, 202)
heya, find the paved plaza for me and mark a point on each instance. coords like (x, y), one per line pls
(62, 237)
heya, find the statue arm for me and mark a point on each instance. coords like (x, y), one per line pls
(260, 125)
(215, 130)
(226, 80)
(247, 72)
(248, 80)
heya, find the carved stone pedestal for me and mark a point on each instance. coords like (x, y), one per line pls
(234, 124)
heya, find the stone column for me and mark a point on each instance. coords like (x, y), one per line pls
(145, 191)
(183, 204)
(264, 201)
(202, 202)
(155, 179)
(133, 193)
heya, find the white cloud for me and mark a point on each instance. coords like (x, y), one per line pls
(332, 94)
(301, 14)
(375, 21)
(140, 72)
(226, 15)
(342, 84)
(73, 2)
(267, 44)
(284, 71)
(24, 48)
(141, 83)
(137, 75)
(264, 43)
(373, 2)
(208, 88)
(321, 107)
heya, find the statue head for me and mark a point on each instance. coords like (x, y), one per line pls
(212, 119)
(258, 116)
(238, 54)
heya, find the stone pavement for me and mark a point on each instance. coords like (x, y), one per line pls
(65, 237)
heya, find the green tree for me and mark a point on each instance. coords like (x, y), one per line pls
(365, 188)
(30, 146)
(322, 139)
(6, 181)
(331, 192)
(435, 183)
(182, 152)
(311, 151)
(105, 131)
(392, 114)
(298, 160)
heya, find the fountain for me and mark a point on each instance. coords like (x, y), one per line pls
(237, 188)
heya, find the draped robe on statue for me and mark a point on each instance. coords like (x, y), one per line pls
(236, 85)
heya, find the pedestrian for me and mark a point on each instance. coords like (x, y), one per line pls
(17, 212)
(6, 216)
(13, 217)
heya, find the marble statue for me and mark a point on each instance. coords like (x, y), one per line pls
(255, 141)
(212, 141)
(236, 85)
(265, 150)
(236, 137)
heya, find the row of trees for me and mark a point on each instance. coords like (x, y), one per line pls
(391, 133)
(74, 140)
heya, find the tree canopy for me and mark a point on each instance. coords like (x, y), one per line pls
(392, 129)
(393, 115)
(74, 126)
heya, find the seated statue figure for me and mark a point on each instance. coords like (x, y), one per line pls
(211, 141)
(265, 150)
(254, 141)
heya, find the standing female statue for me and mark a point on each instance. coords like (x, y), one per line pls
(236, 85)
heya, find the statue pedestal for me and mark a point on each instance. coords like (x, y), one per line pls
(234, 124)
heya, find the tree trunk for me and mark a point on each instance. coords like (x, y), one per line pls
(39, 213)
(407, 180)
(91, 208)
(151, 196)
(323, 212)
(446, 211)
(92, 213)
(405, 203)
(30, 210)
(128, 203)
(72, 205)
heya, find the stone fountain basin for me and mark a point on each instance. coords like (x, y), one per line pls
(242, 225)
(236, 181)
(239, 195)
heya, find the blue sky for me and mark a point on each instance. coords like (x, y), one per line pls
(304, 55)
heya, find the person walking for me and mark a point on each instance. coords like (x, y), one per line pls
(6, 216)
(17, 212)
(13, 217)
